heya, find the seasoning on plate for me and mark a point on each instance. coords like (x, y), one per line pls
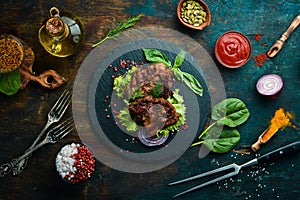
(233, 49)
(75, 163)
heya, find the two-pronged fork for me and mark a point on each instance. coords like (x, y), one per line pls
(234, 169)
(53, 135)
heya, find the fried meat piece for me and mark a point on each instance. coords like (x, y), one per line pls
(153, 113)
(155, 73)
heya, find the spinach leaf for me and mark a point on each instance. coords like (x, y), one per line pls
(10, 82)
(156, 56)
(231, 112)
(220, 136)
(220, 140)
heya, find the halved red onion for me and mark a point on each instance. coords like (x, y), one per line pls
(151, 141)
(269, 85)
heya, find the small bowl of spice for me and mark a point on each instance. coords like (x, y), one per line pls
(193, 14)
(233, 49)
(75, 163)
(11, 53)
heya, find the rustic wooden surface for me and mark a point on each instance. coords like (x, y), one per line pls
(24, 114)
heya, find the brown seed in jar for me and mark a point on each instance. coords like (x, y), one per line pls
(11, 54)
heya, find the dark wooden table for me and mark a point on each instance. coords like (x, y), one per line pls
(24, 114)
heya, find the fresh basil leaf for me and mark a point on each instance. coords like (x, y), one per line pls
(193, 83)
(231, 112)
(155, 56)
(179, 60)
(10, 82)
(178, 73)
(221, 139)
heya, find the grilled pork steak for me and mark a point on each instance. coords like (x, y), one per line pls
(153, 89)
(155, 73)
(153, 113)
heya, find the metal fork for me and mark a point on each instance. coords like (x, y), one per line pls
(293, 147)
(54, 115)
(53, 135)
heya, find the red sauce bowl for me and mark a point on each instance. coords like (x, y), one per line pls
(233, 49)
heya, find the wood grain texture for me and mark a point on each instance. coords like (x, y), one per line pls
(24, 114)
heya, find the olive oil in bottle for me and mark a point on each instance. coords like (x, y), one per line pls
(62, 34)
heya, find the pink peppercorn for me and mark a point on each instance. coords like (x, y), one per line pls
(75, 163)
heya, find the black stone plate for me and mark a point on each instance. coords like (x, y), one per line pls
(101, 89)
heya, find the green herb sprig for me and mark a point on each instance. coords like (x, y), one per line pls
(221, 136)
(123, 25)
(153, 55)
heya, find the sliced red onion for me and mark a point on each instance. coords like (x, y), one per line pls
(151, 141)
(269, 85)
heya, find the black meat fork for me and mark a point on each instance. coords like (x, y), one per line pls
(282, 151)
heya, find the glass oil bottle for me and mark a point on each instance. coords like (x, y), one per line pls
(62, 34)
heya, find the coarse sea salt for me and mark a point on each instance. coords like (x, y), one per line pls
(75, 163)
(64, 161)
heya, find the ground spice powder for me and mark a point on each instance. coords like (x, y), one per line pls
(257, 36)
(260, 59)
(280, 120)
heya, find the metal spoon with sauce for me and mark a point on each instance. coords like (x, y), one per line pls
(279, 43)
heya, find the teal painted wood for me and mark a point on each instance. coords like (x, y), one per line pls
(274, 180)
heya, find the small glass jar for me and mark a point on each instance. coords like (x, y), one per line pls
(11, 53)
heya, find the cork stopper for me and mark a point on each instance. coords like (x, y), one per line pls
(55, 26)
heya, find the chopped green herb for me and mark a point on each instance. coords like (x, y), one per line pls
(123, 25)
(157, 90)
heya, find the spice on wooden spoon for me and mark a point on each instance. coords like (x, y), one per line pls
(280, 120)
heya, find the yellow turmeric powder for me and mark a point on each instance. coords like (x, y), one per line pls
(280, 120)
